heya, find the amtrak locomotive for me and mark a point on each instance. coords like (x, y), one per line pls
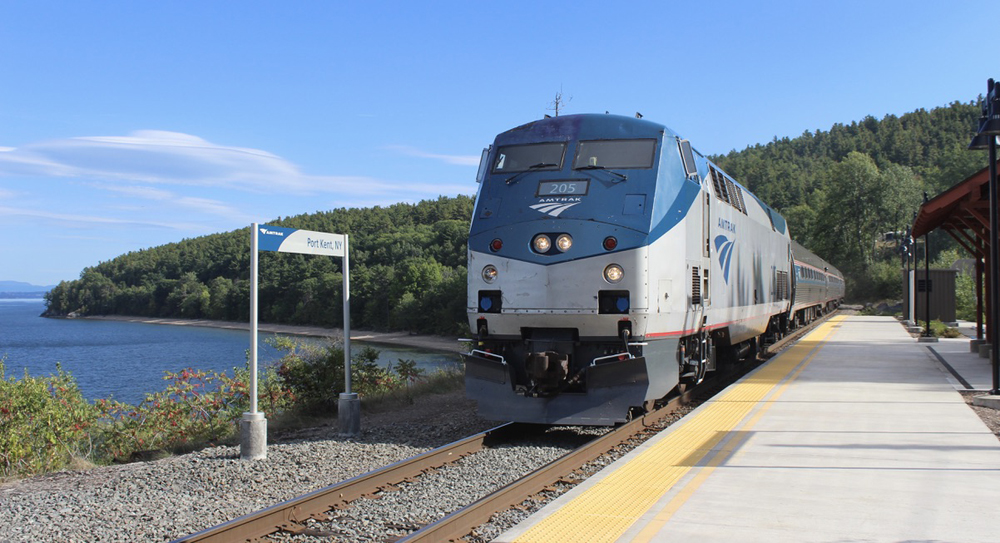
(610, 263)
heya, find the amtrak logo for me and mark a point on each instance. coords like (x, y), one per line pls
(725, 249)
(553, 209)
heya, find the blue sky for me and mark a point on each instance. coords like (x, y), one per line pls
(126, 125)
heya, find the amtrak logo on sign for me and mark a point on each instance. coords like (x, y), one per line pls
(554, 208)
(725, 249)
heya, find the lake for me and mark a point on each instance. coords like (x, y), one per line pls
(126, 360)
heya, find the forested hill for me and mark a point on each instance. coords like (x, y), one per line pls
(840, 190)
(407, 272)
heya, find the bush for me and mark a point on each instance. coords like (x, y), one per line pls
(44, 423)
(965, 297)
(313, 374)
(197, 407)
(940, 329)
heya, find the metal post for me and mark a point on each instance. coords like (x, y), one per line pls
(347, 319)
(349, 405)
(979, 299)
(909, 282)
(911, 276)
(927, 281)
(994, 262)
(254, 245)
(253, 426)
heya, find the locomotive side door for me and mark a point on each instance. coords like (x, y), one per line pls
(706, 235)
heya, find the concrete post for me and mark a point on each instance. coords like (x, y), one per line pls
(349, 414)
(253, 436)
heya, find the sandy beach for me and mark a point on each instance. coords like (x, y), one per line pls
(433, 343)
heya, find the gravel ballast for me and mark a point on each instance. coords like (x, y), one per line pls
(170, 498)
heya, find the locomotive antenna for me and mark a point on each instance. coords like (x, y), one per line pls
(559, 103)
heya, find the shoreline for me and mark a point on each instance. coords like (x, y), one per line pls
(402, 339)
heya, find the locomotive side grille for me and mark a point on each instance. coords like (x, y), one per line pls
(728, 191)
(739, 194)
(734, 199)
(695, 285)
(783, 290)
(720, 185)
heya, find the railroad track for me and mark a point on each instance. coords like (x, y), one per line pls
(291, 516)
(461, 523)
(295, 516)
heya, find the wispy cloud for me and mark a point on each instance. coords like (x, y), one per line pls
(457, 160)
(144, 192)
(176, 201)
(72, 220)
(156, 156)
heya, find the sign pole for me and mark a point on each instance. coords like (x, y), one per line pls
(254, 255)
(347, 320)
(349, 405)
(253, 426)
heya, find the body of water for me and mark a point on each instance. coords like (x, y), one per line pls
(126, 360)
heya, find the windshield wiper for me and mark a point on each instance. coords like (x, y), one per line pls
(531, 168)
(621, 176)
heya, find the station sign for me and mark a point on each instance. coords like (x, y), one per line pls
(292, 240)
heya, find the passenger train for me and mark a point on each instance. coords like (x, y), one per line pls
(610, 263)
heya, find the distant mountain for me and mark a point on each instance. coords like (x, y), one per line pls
(18, 286)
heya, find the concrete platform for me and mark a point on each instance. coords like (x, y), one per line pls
(855, 434)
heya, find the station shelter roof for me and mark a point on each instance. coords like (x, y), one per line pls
(963, 211)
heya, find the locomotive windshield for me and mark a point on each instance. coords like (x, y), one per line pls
(522, 158)
(619, 154)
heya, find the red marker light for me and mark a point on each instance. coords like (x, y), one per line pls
(496, 245)
(610, 243)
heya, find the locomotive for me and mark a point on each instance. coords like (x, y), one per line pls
(610, 264)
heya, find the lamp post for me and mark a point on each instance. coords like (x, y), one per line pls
(986, 138)
(907, 249)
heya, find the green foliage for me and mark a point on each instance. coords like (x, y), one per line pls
(965, 297)
(407, 273)
(841, 189)
(409, 375)
(940, 329)
(196, 407)
(44, 423)
(314, 374)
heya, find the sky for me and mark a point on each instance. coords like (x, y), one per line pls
(126, 125)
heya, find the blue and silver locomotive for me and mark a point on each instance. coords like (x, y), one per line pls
(610, 263)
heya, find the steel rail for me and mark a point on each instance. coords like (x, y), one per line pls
(459, 524)
(290, 515)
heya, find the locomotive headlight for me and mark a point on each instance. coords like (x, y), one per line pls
(542, 243)
(564, 242)
(613, 273)
(490, 273)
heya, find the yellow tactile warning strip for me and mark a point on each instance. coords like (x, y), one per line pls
(608, 509)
